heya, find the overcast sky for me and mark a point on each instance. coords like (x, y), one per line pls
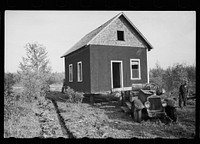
(172, 34)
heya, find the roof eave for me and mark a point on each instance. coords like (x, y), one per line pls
(149, 46)
(66, 54)
(118, 15)
(141, 35)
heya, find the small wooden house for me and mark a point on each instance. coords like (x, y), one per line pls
(113, 56)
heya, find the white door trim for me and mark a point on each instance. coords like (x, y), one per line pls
(147, 66)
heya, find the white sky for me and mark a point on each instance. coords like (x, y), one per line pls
(171, 33)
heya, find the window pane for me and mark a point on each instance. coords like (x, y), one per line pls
(135, 67)
(80, 72)
(134, 62)
(135, 72)
(70, 73)
(79, 66)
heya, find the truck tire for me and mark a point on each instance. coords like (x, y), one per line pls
(171, 112)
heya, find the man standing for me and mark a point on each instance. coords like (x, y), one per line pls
(183, 92)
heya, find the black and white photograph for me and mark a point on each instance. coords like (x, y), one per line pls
(100, 74)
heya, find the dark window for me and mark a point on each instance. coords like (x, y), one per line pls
(120, 35)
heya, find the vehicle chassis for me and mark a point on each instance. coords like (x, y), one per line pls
(136, 105)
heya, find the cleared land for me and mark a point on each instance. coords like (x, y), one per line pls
(106, 119)
(102, 120)
(27, 122)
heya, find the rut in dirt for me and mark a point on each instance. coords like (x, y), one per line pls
(65, 130)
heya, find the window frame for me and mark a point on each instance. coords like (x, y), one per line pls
(79, 72)
(139, 69)
(118, 35)
(71, 68)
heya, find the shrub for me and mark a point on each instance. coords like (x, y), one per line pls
(9, 81)
(172, 77)
(9, 97)
(56, 78)
(74, 97)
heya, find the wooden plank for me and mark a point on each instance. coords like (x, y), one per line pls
(148, 92)
(62, 98)
(105, 96)
(125, 109)
(128, 104)
(191, 97)
(122, 89)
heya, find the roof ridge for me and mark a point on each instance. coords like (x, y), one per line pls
(137, 30)
(108, 22)
(97, 30)
(85, 40)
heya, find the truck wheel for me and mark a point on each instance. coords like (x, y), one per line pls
(174, 115)
(171, 112)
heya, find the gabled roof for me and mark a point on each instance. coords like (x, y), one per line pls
(90, 36)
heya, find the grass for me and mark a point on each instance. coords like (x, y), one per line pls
(183, 128)
(24, 123)
(102, 120)
(107, 120)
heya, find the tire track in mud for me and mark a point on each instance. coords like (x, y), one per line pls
(64, 128)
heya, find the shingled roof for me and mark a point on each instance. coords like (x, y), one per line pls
(90, 36)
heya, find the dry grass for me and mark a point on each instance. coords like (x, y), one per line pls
(24, 123)
(102, 120)
(107, 120)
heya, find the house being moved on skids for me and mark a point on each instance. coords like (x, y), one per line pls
(113, 56)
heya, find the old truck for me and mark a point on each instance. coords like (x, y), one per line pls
(144, 102)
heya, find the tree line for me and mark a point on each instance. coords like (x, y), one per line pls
(173, 76)
(14, 78)
(36, 72)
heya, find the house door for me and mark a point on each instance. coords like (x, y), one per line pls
(116, 76)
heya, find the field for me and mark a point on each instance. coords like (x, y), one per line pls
(106, 119)
(26, 123)
(102, 120)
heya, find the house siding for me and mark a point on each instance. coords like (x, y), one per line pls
(100, 61)
(109, 35)
(84, 56)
